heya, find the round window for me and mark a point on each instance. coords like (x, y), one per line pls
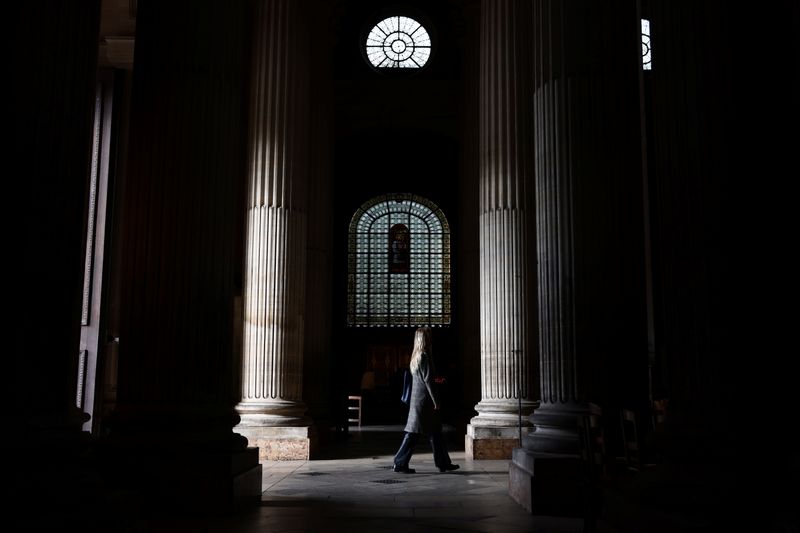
(398, 42)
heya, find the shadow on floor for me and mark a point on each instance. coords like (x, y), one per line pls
(374, 441)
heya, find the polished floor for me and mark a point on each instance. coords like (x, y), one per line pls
(353, 489)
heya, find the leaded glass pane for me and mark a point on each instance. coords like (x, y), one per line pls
(378, 304)
(436, 244)
(419, 282)
(364, 224)
(419, 304)
(381, 224)
(398, 303)
(377, 262)
(378, 283)
(419, 243)
(420, 262)
(398, 285)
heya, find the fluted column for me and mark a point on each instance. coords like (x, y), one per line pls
(318, 358)
(592, 333)
(688, 113)
(183, 197)
(51, 67)
(710, 162)
(469, 340)
(507, 281)
(272, 408)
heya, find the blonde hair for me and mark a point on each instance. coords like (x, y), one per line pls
(422, 344)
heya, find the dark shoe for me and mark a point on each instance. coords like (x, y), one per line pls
(403, 469)
(448, 468)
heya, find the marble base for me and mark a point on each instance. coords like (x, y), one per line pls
(482, 442)
(230, 484)
(183, 480)
(546, 484)
(281, 443)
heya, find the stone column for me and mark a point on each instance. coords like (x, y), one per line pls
(469, 303)
(170, 436)
(689, 176)
(272, 408)
(592, 331)
(51, 72)
(508, 334)
(318, 358)
(717, 174)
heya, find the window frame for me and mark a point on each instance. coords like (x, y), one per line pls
(379, 297)
(418, 15)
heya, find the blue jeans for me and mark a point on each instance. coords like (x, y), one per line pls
(440, 456)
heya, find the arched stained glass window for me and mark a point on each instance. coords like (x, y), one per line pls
(398, 263)
(398, 42)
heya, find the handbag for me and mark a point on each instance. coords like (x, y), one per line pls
(408, 381)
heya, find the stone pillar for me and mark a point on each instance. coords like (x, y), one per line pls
(468, 305)
(51, 72)
(170, 436)
(272, 408)
(688, 172)
(318, 357)
(717, 171)
(592, 330)
(508, 338)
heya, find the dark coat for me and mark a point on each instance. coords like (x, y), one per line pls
(421, 416)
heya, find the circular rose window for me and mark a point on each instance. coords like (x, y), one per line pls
(398, 42)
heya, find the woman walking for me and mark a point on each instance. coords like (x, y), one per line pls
(424, 415)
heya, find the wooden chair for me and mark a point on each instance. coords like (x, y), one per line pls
(592, 445)
(630, 439)
(354, 410)
(634, 459)
(659, 411)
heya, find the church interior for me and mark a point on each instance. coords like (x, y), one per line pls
(229, 218)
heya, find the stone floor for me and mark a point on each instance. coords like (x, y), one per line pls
(353, 489)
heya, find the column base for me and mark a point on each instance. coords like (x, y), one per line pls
(482, 442)
(546, 483)
(225, 482)
(32, 477)
(294, 443)
(181, 480)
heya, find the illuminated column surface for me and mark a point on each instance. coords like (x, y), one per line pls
(271, 408)
(507, 267)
